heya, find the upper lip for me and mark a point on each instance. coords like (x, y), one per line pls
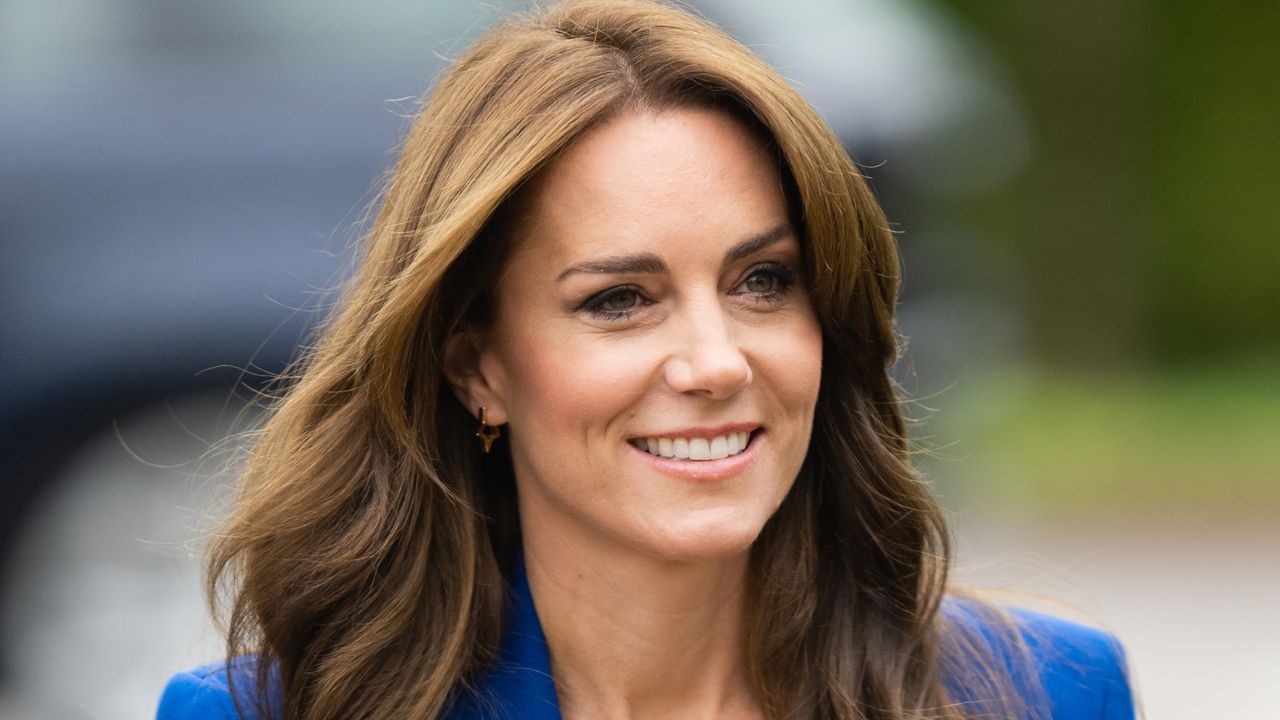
(705, 431)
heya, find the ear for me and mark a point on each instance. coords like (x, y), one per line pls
(475, 379)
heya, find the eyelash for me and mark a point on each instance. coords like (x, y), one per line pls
(784, 277)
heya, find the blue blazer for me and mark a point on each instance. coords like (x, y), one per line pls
(1080, 668)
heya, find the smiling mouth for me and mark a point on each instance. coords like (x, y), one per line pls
(715, 448)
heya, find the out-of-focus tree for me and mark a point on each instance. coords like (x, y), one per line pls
(1146, 222)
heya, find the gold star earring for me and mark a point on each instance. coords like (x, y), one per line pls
(487, 433)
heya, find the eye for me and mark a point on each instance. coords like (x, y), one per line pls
(768, 282)
(616, 303)
(622, 299)
(761, 282)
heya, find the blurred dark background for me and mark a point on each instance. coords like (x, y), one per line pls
(1086, 201)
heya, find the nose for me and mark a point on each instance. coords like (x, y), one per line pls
(708, 359)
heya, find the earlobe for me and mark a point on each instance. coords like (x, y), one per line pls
(474, 381)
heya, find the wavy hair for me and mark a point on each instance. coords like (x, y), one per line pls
(364, 560)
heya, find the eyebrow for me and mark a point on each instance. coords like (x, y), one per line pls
(756, 243)
(618, 265)
(648, 263)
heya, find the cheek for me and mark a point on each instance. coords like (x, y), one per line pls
(564, 381)
(794, 360)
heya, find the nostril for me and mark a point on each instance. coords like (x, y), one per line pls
(712, 375)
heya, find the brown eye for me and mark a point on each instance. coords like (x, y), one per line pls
(761, 282)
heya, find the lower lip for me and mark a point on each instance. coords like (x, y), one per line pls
(705, 471)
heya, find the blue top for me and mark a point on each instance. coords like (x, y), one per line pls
(1080, 668)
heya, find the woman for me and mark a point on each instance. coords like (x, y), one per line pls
(603, 426)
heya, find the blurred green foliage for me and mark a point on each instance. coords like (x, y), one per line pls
(1147, 223)
(1215, 176)
(1172, 441)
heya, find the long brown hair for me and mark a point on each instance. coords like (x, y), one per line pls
(364, 561)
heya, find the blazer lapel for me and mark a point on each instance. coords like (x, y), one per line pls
(519, 685)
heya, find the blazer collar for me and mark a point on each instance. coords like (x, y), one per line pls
(519, 685)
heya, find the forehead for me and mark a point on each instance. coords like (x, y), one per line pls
(652, 181)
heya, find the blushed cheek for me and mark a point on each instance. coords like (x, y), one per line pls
(568, 384)
(537, 381)
(796, 361)
(798, 369)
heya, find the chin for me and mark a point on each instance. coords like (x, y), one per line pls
(706, 543)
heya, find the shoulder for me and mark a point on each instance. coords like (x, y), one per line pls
(205, 693)
(1079, 671)
(1081, 668)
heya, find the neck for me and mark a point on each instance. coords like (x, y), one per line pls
(635, 637)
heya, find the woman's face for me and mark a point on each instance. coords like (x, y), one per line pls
(652, 318)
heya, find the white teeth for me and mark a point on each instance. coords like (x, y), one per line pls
(720, 447)
(714, 448)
